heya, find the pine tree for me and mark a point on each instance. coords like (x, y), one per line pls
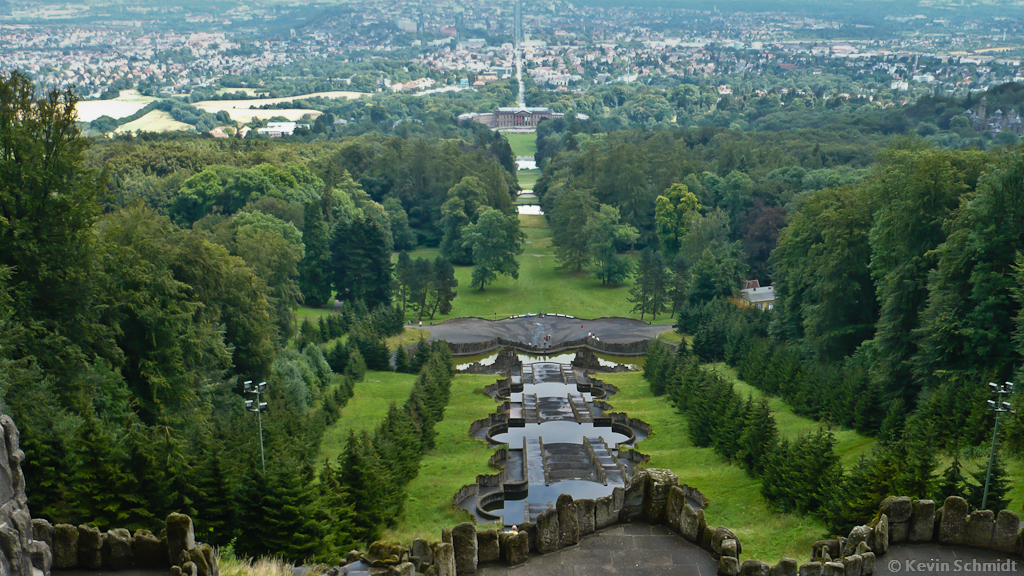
(216, 521)
(314, 269)
(402, 361)
(337, 357)
(952, 481)
(324, 329)
(355, 368)
(420, 356)
(397, 441)
(998, 489)
(373, 348)
(760, 435)
(99, 480)
(338, 514)
(373, 492)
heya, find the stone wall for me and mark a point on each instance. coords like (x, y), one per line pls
(616, 349)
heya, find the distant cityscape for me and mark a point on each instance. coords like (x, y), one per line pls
(97, 47)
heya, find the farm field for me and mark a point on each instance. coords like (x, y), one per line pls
(154, 121)
(245, 116)
(128, 103)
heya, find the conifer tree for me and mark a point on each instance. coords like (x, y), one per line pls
(99, 479)
(952, 482)
(355, 368)
(315, 267)
(402, 361)
(998, 489)
(759, 438)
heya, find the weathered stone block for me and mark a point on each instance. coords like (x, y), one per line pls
(444, 558)
(728, 566)
(403, 569)
(810, 569)
(487, 546)
(42, 531)
(605, 513)
(980, 525)
(65, 546)
(858, 535)
(633, 498)
(898, 532)
(831, 546)
(568, 522)
(1004, 537)
(833, 569)
(691, 523)
(90, 547)
(465, 544)
(867, 565)
(117, 549)
(585, 516)
(547, 531)
(785, 567)
(854, 564)
(518, 549)
(531, 532)
(211, 559)
(446, 535)
(189, 569)
(897, 508)
(659, 483)
(922, 521)
(181, 535)
(721, 534)
(729, 548)
(197, 557)
(881, 545)
(674, 512)
(148, 551)
(953, 523)
(755, 568)
(705, 538)
(618, 497)
(422, 556)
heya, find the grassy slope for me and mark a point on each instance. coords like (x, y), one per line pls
(373, 396)
(522, 144)
(455, 462)
(735, 497)
(528, 178)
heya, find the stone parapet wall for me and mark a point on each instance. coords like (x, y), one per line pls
(637, 348)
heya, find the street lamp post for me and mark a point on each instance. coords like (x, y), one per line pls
(259, 408)
(997, 406)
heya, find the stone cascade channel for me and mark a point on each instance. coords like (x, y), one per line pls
(560, 441)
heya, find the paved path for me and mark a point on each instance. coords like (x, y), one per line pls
(532, 330)
(626, 549)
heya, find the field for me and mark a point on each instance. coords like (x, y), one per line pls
(154, 121)
(128, 103)
(541, 286)
(523, 144)
(455, 462)
(257, 102)
(373, 396)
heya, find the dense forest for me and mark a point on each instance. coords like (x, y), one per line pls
(142, 282)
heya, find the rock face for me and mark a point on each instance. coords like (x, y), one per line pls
(922, 521)
(953, 526)
(568, 521)
(674, 511)
(691, 523)
(465, 543)
(17, 544)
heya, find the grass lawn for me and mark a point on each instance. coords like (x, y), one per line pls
(407, 337)
(541, 286)
(527, 178)
(373, 396)
(736, 500)
(522, 144)
(849, 444)
(455, 462)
